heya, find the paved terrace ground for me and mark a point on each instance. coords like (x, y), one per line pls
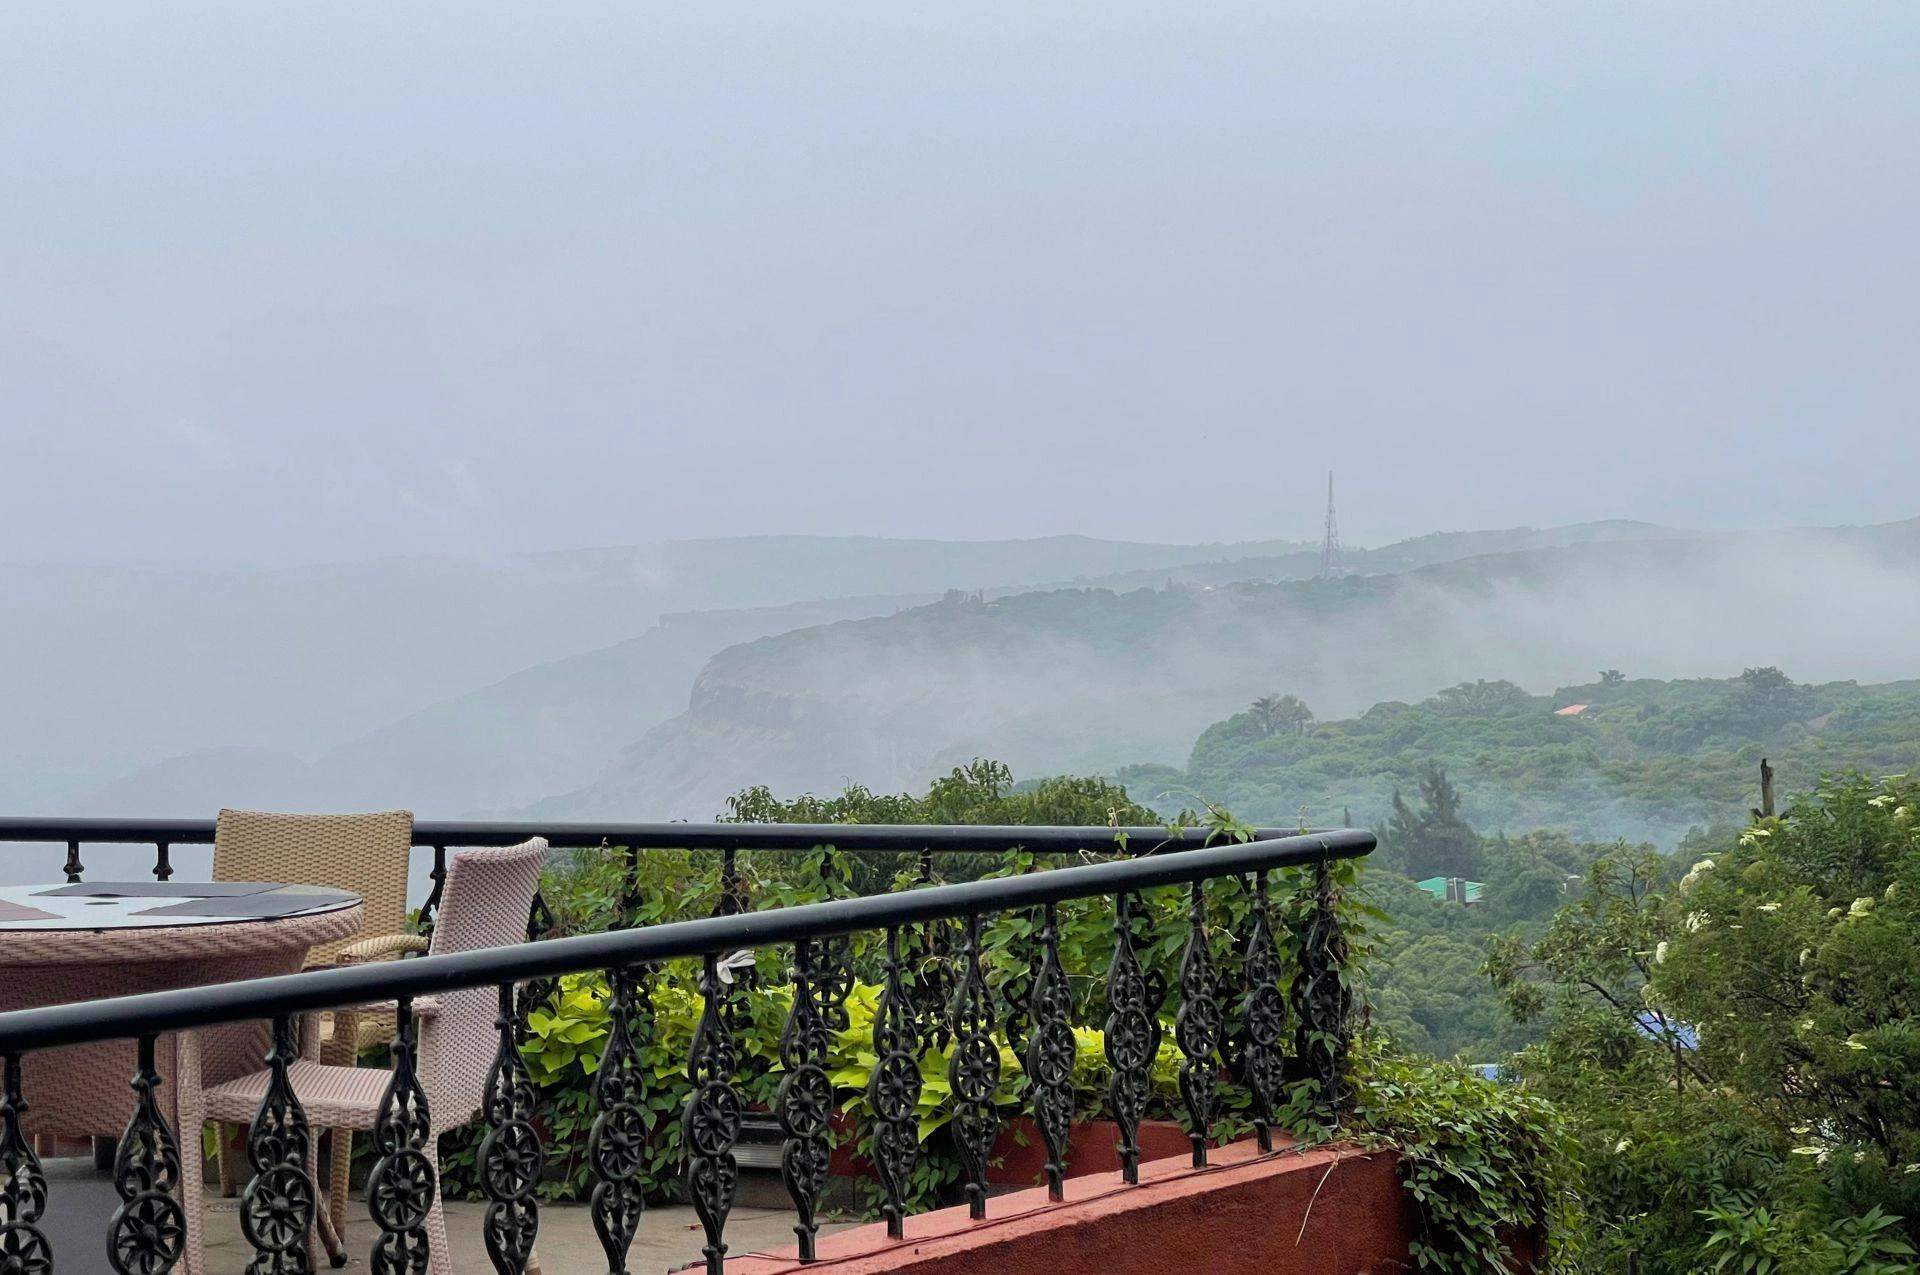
(669, 1236)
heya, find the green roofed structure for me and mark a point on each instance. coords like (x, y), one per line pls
(1452, 889)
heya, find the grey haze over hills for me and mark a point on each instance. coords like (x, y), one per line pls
(1092, 679)
(506, 741)
(222, 675)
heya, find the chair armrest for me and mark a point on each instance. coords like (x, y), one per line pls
(427, 1006)
(380, 948)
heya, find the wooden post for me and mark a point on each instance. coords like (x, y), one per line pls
(1766, 791)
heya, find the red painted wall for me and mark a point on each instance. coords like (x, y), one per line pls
(1333, 1211)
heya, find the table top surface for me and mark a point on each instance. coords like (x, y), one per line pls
(125, 905)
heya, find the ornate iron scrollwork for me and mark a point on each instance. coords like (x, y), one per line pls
(617, 1143)
(1133, 1035)
(401, 1187)
(511, 1155)
(1050, 1053)
(148, 1232)
(928, 958)
(278, 1204)
(805, 1100)
(893, 1091)
(1196, 1027)
(1322, 1002)
(430, 909)
(23, 1189)
(536, 992)
(973, 1072)
(1264, 1014)
(710, 1122)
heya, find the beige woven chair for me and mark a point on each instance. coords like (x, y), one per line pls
(364, 853)
(485, 903)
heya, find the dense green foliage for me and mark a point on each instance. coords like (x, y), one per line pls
(1739, 1048)
(1645, 761)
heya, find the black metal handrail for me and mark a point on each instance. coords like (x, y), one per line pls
(727, 838)
(711, 1119)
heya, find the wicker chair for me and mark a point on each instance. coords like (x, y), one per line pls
(364, 853)
(488, 893)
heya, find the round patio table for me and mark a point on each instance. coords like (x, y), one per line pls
(80, 942)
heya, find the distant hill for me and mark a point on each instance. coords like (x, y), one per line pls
(485, 752)
(104, 670)
(1093, 679)
(1639, 758)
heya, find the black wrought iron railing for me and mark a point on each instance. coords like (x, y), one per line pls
(1292, 1025)
(728, 839)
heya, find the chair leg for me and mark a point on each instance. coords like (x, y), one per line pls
(439, 1257)
(189, 1109)
(339, 1175)
(223, 1156)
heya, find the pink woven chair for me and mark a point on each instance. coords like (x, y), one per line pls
(485, 903)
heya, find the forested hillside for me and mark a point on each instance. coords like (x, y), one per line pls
(1645, 759)
(1094, 679)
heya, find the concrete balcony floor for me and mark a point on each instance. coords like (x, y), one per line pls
(81, 1201)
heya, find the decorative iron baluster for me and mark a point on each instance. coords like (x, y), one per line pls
(277, 1207)
(73, 866)
(1264, 1012)
(733, 894)
(1050, 1053)
(430, 909)
(1133, 1034)
(973, 1072)
(617, 1143)
(893, 1091)
(927, 954)
(1322, 1002)
(511, 1156)
(148, 1232)
(162, 863)
(710, 1122)
(536, 992)
(401, 1186)
(23, 1189)
(1196, 1027)
(805, 1100)
(1017, 989)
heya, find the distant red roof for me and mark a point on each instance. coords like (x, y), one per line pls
(1571, 710)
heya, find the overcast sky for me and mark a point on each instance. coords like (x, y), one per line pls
(319, 281)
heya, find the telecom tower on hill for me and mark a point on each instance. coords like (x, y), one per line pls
(1331, 565)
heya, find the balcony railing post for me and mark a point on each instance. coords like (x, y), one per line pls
(617, 1142)
(804, 1104)
(1264, 1015)
(162, 862)
(23, 1188)
(1133, 1035)
(512, 1156)
(430, 909)
(73, 866)
(1322, 1002)
(973, 1072)
(403, 1182)
(1197, 1029)
(893, 1090)
(1050, 1053)
(278, 1204)
(710, 1123)
(148, 1232)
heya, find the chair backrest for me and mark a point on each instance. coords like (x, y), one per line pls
(484, 904)
(366, 854)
